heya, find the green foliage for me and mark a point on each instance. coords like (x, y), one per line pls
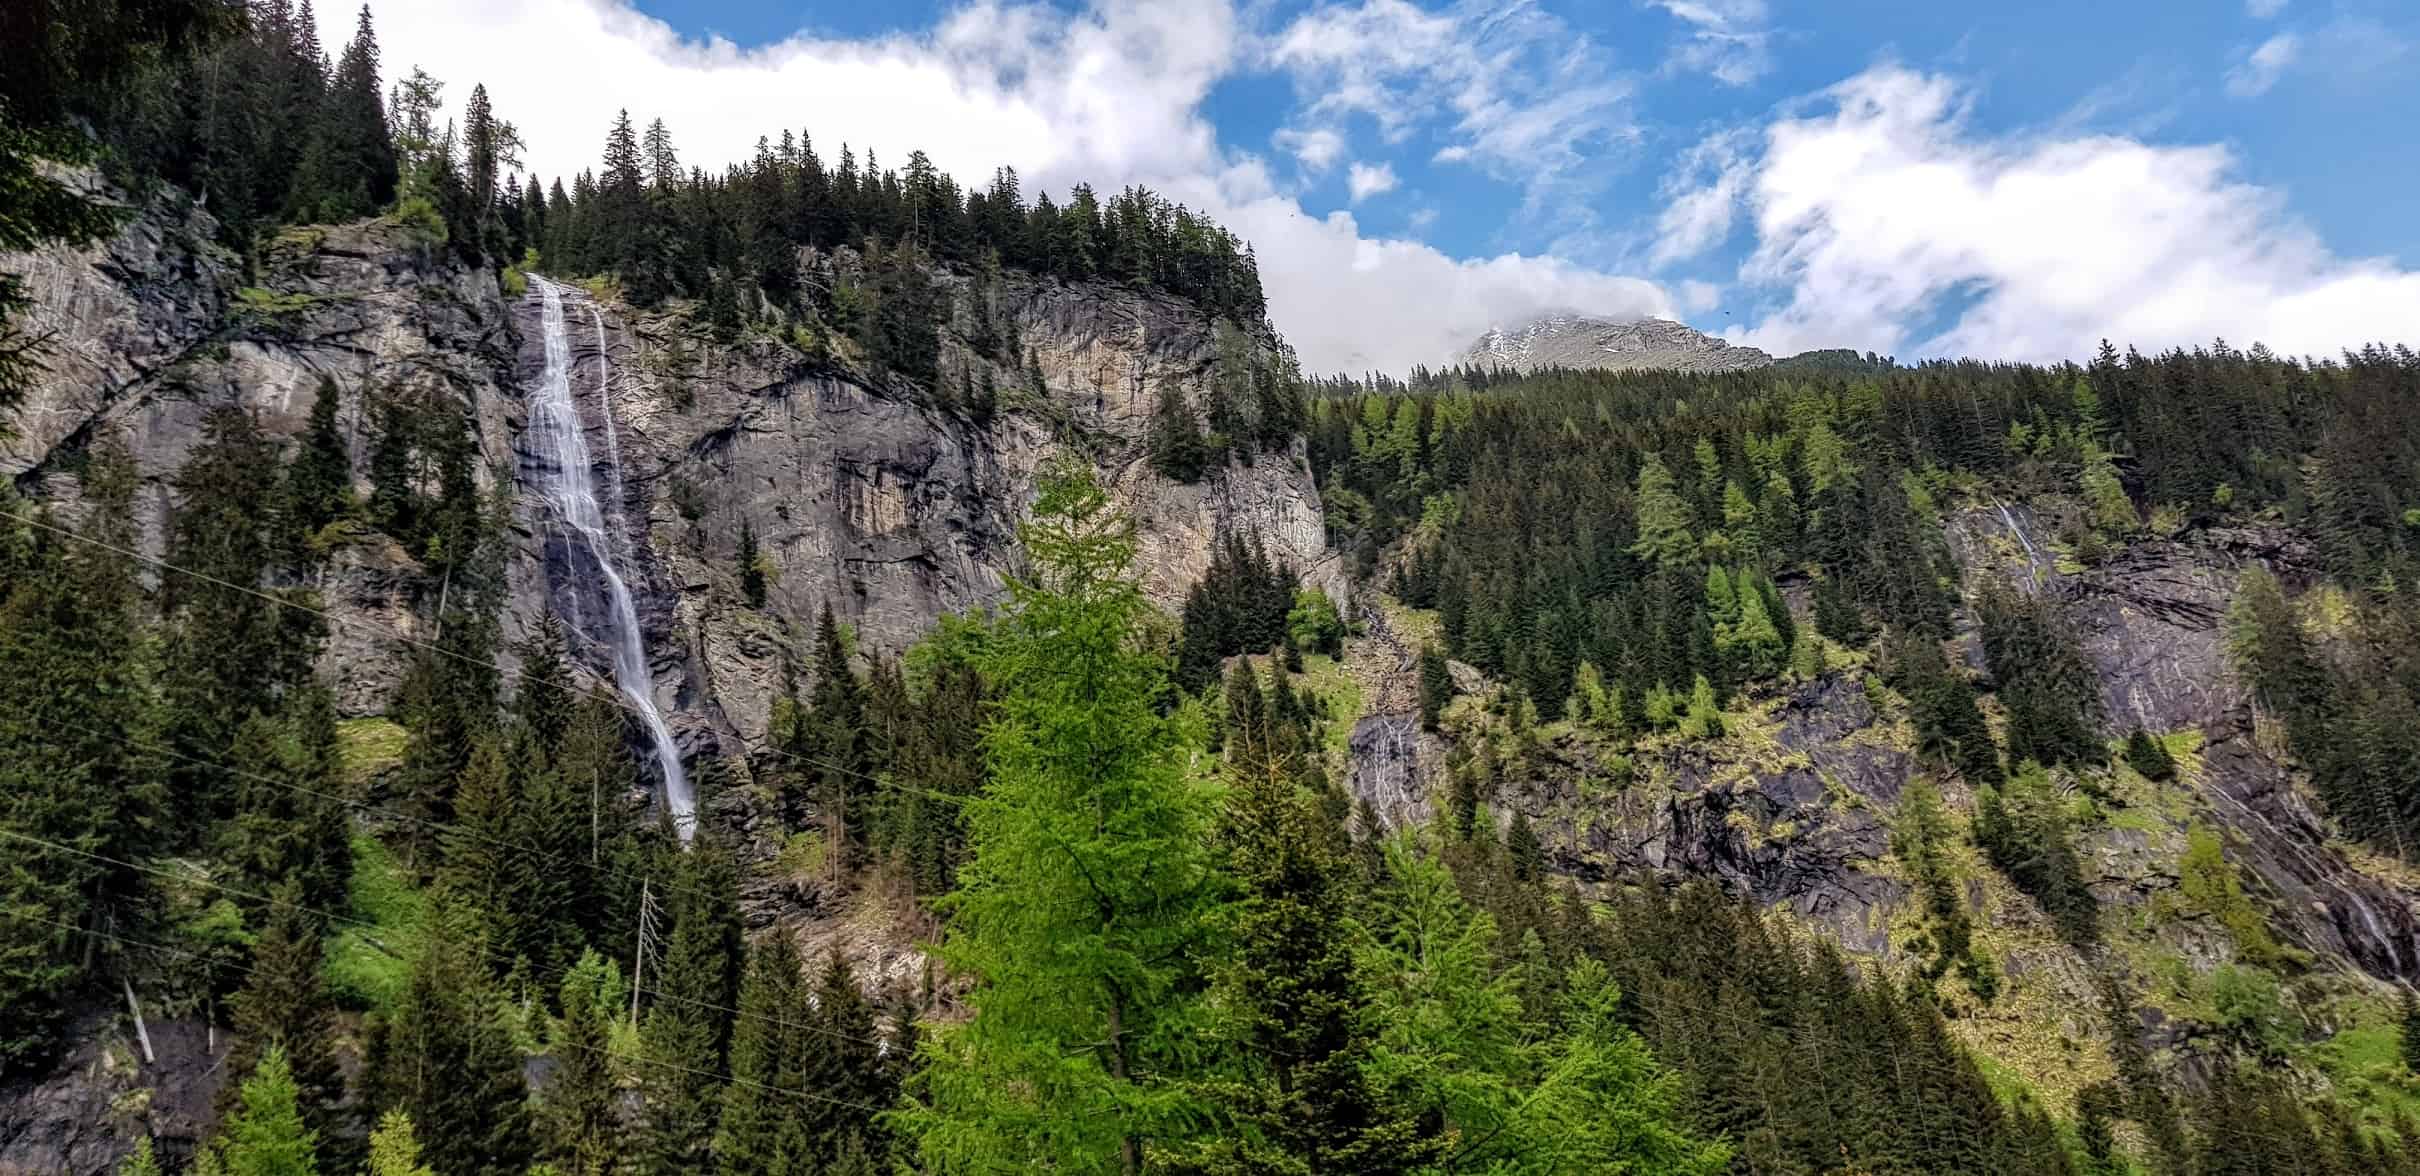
(1589, 1097)
(687, 1034)
(2050, 692)
(1243, 604)
(141, 1161)
(1436, 686)
(388, 916)
(2023, 825)
(578, 1126)
(2251, 1009)
(752, 568)
(1921, 837)
(2148, 756)
(394, 1151)
(445, 1056)
(2209, 881)
(1664, 535)
(1090, 881)
(266, 1136)
(284, 1008)
(1313, 624)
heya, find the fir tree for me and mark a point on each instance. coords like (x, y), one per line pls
(267, 1136)
(394, 1150)
(1436, 686)
(76, 712)
(578, 1127)
(846, 1069)
(687, 1033)
(767, 1053)
(2409, 1031)
(1294, 1009)
(1082, 1004)
(284, 1006)
(751, 568)
(834, 741)
(443, 1057)
(319, 481)
(2148, 756)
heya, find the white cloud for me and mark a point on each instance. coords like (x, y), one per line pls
(2261, 68)
(1317, 149)
(1701, 195)
(1112, 95)
(1423, 218)
(1728, 40)
(1881, 203)
(2264, 9)
(1512, 89)
(1366, 181)
(1699, 297)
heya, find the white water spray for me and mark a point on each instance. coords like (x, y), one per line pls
(556, 461)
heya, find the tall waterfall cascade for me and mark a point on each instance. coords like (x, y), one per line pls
(555, 461)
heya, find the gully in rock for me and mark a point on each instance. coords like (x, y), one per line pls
(555, 462)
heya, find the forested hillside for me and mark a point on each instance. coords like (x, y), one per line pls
(1112, 751)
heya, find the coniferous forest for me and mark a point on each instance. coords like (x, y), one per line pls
(1150, 924)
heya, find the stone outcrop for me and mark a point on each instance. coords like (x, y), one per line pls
(861, 491)
(1578, 341)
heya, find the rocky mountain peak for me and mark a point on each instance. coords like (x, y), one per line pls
(1581, 341)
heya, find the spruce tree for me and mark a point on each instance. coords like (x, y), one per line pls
(1436, 686)
(2148, 756)
(267, 1135)
(833, 741)
(687, 1031)
(394, 1150)
(751, 568)
(849, 1077)
(767, 1049)
(444, 1057)
(2408, 1026)
(578, 1126)
(76, 712)
(319, 481)
(1089, 883)
(1294, 1012)
(284, 1006)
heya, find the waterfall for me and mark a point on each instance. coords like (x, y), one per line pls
(555, 461)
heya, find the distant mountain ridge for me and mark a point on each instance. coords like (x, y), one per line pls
(1581, 341)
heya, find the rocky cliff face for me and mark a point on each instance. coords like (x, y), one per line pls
(1577, 341)
(860, 492)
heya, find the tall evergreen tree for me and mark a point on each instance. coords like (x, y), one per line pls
(444, 1057)
(579, 1128)
(1292, 1006)
(76, 712)
(687, 1032)
(284, 1007)
(767, 1050)
(267, 1136)
(1089, 883)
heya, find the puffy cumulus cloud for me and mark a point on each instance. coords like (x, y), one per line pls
(1728, 39)
(1111, 95)
(1366, 181)
(1878, 206)
(2260, 69)
(1317, 149)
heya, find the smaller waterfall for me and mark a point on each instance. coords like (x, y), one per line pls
(556, 461)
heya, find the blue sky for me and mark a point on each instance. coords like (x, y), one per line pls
(1923, 178)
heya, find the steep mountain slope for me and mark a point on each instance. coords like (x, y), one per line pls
(861, 491)
(1579, 341)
